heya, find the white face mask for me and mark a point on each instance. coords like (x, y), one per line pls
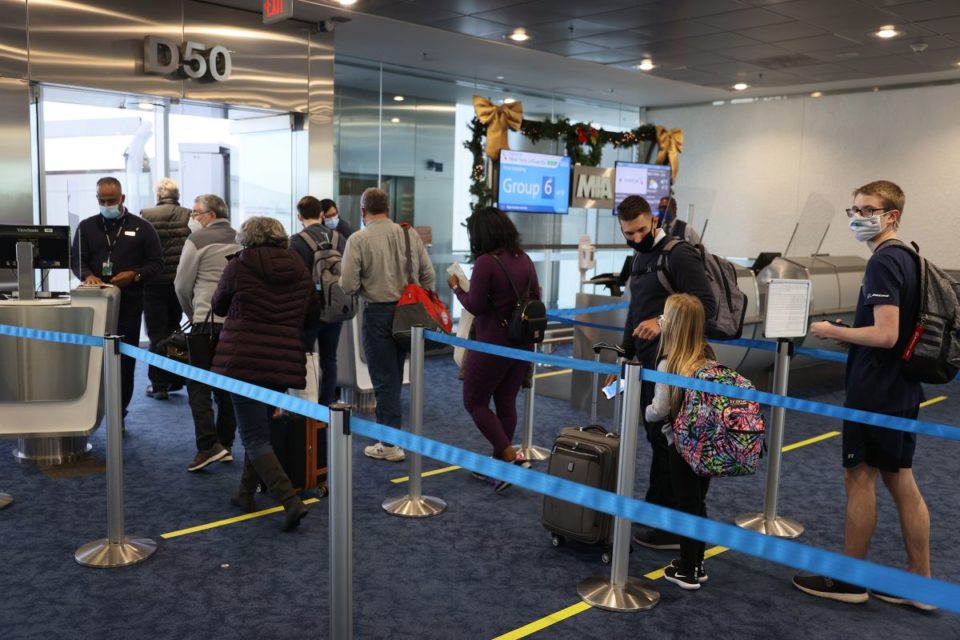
(331, 223)
(194, 225)
(866, 228)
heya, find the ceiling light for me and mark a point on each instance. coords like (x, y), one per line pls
(741, 86)
(395, 120)
(509, 100)
(499, 77)
(398, 98)
(347, 3)
(145, 106)
(887, 31)
(645, 65)
(519, 35)
(816, 94)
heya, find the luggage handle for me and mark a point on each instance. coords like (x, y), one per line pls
(598, 348)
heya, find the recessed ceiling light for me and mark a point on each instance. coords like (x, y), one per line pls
(887, 31)
(499, 77)
(398, 98)
(509, 100)
(741, 86)
(519, 35)
(145, 106)
(347, 3)
(645, 65)
(394, 120)
(816, 94)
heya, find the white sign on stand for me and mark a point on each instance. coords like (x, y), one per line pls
(788, 308)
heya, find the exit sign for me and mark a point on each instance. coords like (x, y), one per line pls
(277, 10)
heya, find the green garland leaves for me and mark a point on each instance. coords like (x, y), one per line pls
(582, 142)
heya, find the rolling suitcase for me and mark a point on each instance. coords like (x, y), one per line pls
(301, 446)
(587, 455)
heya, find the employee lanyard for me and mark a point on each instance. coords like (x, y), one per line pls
(112, 241)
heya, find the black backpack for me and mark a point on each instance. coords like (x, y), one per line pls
(933, 353)
(528, 322)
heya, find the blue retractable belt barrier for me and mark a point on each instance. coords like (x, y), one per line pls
(786, 552)
(586, 310)
(51, 336)
(582, 323)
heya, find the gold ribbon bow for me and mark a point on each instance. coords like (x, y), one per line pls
(498, 121)
(670, 142)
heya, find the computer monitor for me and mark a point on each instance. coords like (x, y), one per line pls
(51, 245)
(650, 181)
(533, 182)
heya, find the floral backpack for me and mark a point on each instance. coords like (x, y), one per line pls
(718, 435)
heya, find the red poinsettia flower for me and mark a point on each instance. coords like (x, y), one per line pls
(581, 135)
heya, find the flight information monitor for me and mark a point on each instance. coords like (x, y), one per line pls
(51, 245)
(533, 182)
(650, 181)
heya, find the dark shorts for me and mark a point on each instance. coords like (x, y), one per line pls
(884, 449)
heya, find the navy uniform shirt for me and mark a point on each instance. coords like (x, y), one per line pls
(874, 380)
(130, 243)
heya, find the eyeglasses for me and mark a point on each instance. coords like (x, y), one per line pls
(197, 214)
(864, 212)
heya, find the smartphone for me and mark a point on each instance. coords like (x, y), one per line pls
(838, 323)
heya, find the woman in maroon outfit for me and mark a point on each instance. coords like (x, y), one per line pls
(495, 245)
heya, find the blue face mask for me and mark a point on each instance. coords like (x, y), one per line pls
(110, 213)
(331, 223)
(866, 228)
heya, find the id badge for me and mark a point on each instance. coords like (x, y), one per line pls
(107, 268)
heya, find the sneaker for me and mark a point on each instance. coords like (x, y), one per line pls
(204, 458)
(698, 571)
(688, 582)
(380, 451)
(503, 485)
(175, 387)
(824, 587)
(228, 457)
(158, 394)
(658, 539)
(892, 599)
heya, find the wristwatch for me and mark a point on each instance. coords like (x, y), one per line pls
(136, 278)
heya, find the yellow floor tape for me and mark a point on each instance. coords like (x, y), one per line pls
(933, 401)
(434, 472)
(562, 372)
(223, 523)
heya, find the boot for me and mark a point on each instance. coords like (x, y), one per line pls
(271, 471)
(243, 499)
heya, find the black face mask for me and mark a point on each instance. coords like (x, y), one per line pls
(645, 245)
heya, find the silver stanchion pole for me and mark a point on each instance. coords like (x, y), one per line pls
(116, 550)
(527, 449)
(5, 500)
(620, 592)
(341, 522)
(769, 522)
(415, 504)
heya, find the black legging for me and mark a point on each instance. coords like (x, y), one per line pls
(691, 492)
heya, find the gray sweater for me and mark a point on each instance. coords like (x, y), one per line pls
(375, 265)
(203, 260)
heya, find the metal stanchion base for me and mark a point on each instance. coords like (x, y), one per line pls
(101, 554)
(779, 526)
(633, 596)
(407, 507)
(535, 454)
(5, 500)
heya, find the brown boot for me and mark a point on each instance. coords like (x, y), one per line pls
(271, 471)
(244, 498)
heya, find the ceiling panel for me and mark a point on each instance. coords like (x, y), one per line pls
(689, 60)
(525, 14)
(415, 13)
(634, 17)
(615, 39)
(566, 47)
(579, 8)
(722, 40)
(677, 29)
(604, 56)
(943, 25)
(473, 26)
(783, 31)
(465, 7)
(753, 52)
(567, 30)
(808, 9)
(818, 43)
(737, 20)
(930, 10)
(661, 49)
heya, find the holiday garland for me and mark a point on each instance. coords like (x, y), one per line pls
(583, 144)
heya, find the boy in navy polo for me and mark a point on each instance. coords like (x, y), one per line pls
(885, 319)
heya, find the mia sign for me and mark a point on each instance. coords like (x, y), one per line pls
(592, 187)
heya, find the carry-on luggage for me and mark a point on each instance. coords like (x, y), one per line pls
(587, 455)
(301, 446)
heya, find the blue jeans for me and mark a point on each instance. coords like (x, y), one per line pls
(385, 358)
(253, 422)
(325, 337)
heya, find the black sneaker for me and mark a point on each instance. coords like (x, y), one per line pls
(658, 539)
(824, 587)
(157, 393)
(892, 599)
(698, 570)
(503, 485)
(688, 582)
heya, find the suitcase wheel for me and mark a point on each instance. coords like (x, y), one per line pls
(557, 540)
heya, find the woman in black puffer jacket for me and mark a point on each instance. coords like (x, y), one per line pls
(267, 297)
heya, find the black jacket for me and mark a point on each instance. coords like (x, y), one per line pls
(130, 243)
(170, 221)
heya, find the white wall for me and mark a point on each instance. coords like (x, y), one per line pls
(757, 169)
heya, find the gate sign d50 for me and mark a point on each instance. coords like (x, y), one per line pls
(163, 56)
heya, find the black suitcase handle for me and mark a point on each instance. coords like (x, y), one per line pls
(604, 346)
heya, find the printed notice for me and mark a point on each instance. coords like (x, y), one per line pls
(788, 306)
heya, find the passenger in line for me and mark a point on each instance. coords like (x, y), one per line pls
(322, 337)
(884, 322)
(201, 265)
(118, 248)
(674, 226)
(500, 269)
(683, 351)
(161, 308)
(641, 339)
(374, 266)
(266, 296)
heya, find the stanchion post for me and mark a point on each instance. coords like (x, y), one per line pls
(527, 449)
(341, 522)
(620, 592)
(116, 550)
(769, 522)
(5, 500)
(415, 504)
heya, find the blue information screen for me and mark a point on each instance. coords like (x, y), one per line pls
(534, 182)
